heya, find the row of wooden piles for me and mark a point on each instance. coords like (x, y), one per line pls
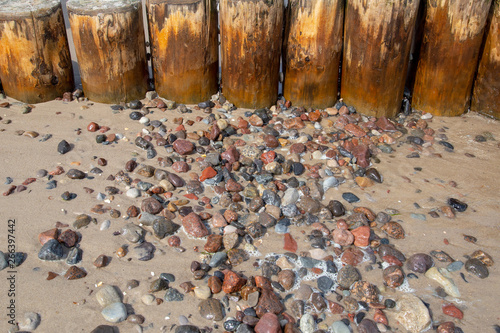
(453, 42)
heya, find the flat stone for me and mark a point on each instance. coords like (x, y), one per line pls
(193, 226)
(115, 312)
(412, 314)
(173, 295)
(211, 309)
(107, 295)
(268, 323)
(144, 252)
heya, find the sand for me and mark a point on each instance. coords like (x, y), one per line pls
(70, 306)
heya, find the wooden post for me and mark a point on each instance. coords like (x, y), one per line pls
(448, 58)
(377, 43)
(486, 98)
(251, 32)
(110, 48)
(312, 51)
(35, 63)
(185, 50)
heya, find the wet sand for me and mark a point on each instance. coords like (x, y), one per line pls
(70, 306)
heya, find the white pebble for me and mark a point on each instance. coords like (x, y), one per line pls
(144, 120)
(148, 299)
(426, 116)
(133, 193)
(105, 225)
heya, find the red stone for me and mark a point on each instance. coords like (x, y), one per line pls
(268, 302)
(362, 155)
(268, 157)
(297, 148)
(215, 284)
(194, 226)
(69, 238)
(352, 256)
(183, 147)
(343, 237)
(208, 173)
(380, 317)
(232, 282)
(231, 154)
(392, 260)
(335, 308)
(218, 220)
(290, 243)
(268, 323)
(271, 141)
(242, 123)
(452, 311)
(385, 124)
(230, 216)
(29, 181)
(263, 282)
(180, 166)
(174, 241)
(214, 132)
(255, 120)
(213, 244)
(191, 196)
(294, 123)
(315, 116)
(233, 186)
(74, 273)
(355, 130)
(361, 236)
(92, 127)
(45, 236)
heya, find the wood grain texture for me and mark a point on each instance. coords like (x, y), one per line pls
(486, 97)
(35, 63)
(111, 52)
(312, 52)
(449, 54)
(185, 52)
(377, 43)
(251, 34)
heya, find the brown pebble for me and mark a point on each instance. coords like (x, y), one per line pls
(121, 252)
(51, 276)
(101, 261)
(102, 162)
(92, 127)
(74, 273)
(135, 319)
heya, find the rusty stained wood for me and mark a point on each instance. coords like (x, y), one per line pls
(312, 51)
(35, 63)
(486, 97)
(111, 52)
(185, 51)
(251, 33)
(449, 54)
(377, 43)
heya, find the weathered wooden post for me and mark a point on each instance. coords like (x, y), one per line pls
(377, 43)
(251, 33)
(185, 50)
(110, 48)
(448, 58)
(486, 98)
(312, 51)
(35, 63)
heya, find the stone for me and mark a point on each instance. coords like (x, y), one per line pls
(75, 174)
(287, 279)
(45, 236)
(211, 309)
(74, 273)
(202, 292)
(175, 180)
(3, 261)
(63, 147)
(268, 323)
(443, 277)
(412, 314)
(180, 166)
(51, 250)
(362, 155)
(324, 284)
(394, 230)
(393, 276)
(207, 173)
(214, 243)
(365, 291)
(68, 237)
(290, 243)
(115, 312)
(107, 295)
(233, 282)
(183, 147)
(347, 275)
(446, 327)
(193, 226)
(173, 295)
(476, 267)
(419, 263)
(187, 329)
(133, 233)
(104, 329)
(484, 257)
(144, 252)
(101, 261)
(151, 205)
(343, 237)
(307, 323)
(163, 228)
(367, 326)
(29, 321)
(352, 256)
(215, 284)
(231, 155)
(361, 236)
(339, 327)
(452, 311)
(268, 302)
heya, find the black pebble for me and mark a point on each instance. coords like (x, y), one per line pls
(135, 115)
(135, 105)
(458, 205)
(63, 147)
(446, 145)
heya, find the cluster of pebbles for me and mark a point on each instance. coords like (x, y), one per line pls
(229, 186)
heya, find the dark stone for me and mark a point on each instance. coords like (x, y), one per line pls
(75, 174)
(350, 197)
(324, 284)
(419, 263)
(63, 147)
(173, 295)
(135, 104)
(458, 205)
(163, 227)
(51, 250)
(476, 267)
(135, 115)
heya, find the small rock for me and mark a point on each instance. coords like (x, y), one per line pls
(211, 309)
(115, 312)
(412, 314)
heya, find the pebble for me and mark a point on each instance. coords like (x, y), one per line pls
(144, 252)
(350, 197)
(107, 295)
(412, 314)
(211, 309)
(30, 321)
(477, 268)
(115, 312)
(51, 250)
(307, 324)
(173, 295)
(442, 277)
(133, 193)
(3, 261)
(419, 263)
(63, 147)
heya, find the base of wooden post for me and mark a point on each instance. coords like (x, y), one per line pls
(35, 63)
(453, 33)
(486, 97)
(110, 48)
